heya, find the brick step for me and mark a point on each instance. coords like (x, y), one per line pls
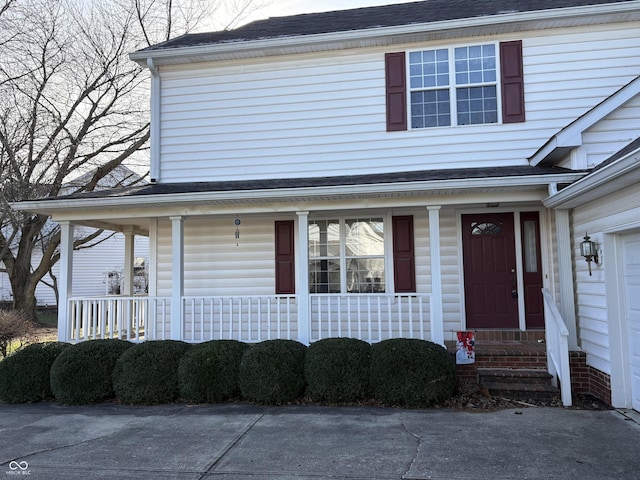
(514, 375)
(519, 383)
(522, 391)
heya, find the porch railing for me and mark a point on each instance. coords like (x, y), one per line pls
(557, 347)
(370, 317)
(126, 318)
(242, 318)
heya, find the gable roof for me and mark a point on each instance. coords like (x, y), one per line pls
(570, 137)
(406, 18)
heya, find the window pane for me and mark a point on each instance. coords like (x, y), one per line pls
(428, 109)
(324, 276)
(486, 228)
(477, 105)
(429, 68)
(475, 64)
(530, 247)
(364, 237)
(365, 275)
(324, 238)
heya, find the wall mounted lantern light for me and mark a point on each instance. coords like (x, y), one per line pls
(589, 251)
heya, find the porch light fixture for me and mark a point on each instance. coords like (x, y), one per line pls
(589, 251)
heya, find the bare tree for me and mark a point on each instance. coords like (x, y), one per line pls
(72, 103)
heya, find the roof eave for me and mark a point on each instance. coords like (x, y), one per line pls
(381, 36)
(51, 207)
(608, 179)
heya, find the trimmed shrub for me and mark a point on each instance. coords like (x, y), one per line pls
(272, 372)
(147, 373)
(24, 375)
(337, 370)
(411, 372)
(83, 373)
(208, 372)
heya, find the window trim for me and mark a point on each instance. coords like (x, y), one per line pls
(452, 87)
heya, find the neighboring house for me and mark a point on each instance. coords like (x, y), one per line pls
(407, 170)
(99, 270)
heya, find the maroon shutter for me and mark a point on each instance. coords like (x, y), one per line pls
(396, 91)
(403, 257)
(512, 77)
(285, 260)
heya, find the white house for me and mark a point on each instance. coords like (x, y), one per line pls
(408, 170)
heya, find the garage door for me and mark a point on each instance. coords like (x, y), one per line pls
(631, 256)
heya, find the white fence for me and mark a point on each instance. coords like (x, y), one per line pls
(369, 317)
(557, 347)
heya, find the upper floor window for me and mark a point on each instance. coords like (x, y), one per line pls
(453, 86)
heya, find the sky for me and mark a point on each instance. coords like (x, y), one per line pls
(279, 8)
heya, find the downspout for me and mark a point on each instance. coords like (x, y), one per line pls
(155, 122)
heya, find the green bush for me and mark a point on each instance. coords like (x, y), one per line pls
(24, 375)
(147, 373)
(272, 372)
(208, 372)
(337, 370)
(411, 372)
(83, 373)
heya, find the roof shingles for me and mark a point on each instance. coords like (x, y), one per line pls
(426, 11)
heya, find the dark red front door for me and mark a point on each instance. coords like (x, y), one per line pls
(489, 256)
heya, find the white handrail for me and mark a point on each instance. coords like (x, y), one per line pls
(557, 347)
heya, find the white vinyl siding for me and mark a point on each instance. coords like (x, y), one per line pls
(213, 264)
(617, 209)
(319, 115)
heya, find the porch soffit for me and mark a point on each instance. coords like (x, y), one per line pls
(458, 186)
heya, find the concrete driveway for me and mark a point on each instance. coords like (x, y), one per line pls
(245, 442)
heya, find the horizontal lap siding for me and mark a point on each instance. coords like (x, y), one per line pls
(613, 210)
(317, 115)
(568, 74)
(612, 133)
(213, 264)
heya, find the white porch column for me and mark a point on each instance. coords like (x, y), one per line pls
(565, 276)
(302, 279)
(66, 280)
(437, 322)
(177, 276)
(129, 259)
